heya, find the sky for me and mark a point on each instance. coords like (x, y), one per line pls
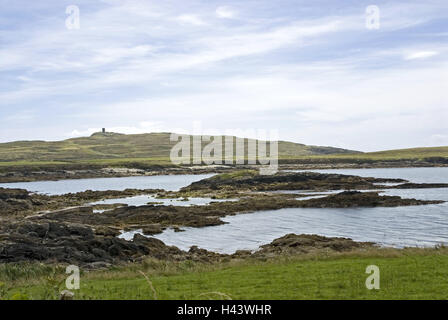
(321, 72)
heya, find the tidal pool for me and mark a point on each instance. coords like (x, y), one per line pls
(142, 200)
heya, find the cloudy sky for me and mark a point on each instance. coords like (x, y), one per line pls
(313, 70)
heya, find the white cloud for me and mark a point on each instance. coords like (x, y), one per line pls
(420, 55)
(225, 12)
(139, 66)
(112, 54)
(190, 19)
(320, 79)
(314, 104)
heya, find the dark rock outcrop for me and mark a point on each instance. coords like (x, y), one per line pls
(72, 243)
(350, 199)
(251, 180)
(304, 243)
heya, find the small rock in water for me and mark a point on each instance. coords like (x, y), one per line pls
(177, 229)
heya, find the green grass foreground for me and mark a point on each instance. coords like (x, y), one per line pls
(404, 274)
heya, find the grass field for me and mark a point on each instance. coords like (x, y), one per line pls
(412, 153)
(437, 154)
(404, 274)
(152, 151)
(111, 146)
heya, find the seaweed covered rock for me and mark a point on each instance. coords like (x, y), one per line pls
(252, 180)
(303, 243)
(14, 200)
(350, 199)
(73, 243)
(6, 193)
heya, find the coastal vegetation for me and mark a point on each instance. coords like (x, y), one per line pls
(41, 234)
(411, 273)
(101, 148)
(111, 154)
(65, 228)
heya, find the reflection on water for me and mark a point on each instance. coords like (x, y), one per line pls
(142, 200)
(311, 197)
(416, 175)
(167, 182)
(129, 235)
(400, 226)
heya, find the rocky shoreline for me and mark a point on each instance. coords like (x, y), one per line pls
(154, 219)
(51, 242)
(64, 172)
(28, 175)
(251, 180)
(64, 228)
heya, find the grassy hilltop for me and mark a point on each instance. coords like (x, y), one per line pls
(114, 149)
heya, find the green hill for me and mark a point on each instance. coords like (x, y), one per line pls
(153, 149)
(411, 153)
(102, 146)
(428, 153)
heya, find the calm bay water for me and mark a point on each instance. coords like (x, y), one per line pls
(401, 226)
(417, 175)
(142, 200)
(167, 182)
